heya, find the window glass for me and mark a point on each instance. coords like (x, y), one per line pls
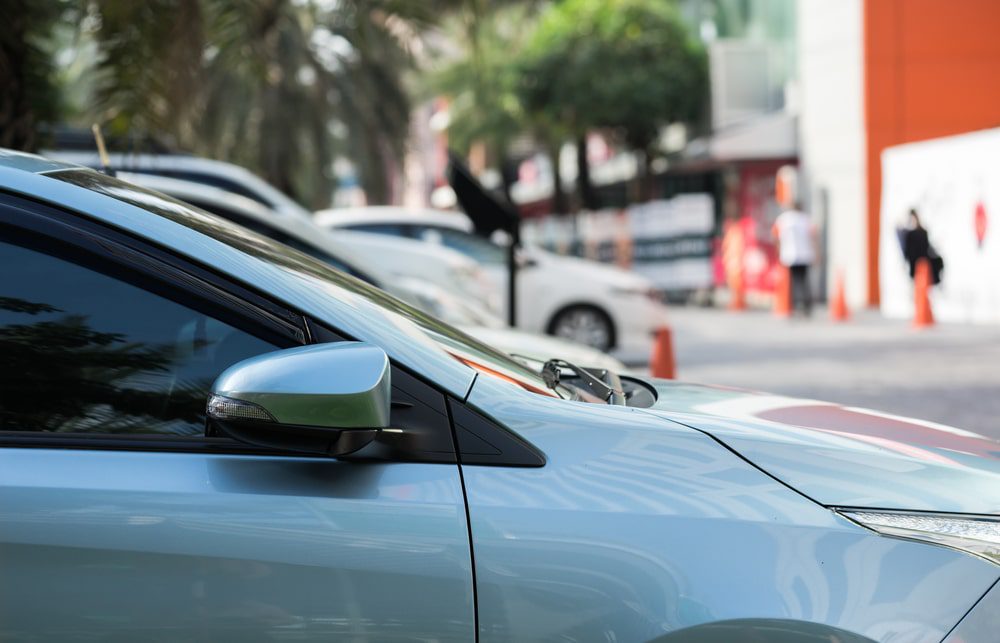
(393, 229)
(81, 351)
(482, 250)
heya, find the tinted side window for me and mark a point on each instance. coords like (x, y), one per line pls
(480, 249)
(395, 229)
(81, 351)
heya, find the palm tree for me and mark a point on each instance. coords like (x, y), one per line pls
(277, 85)
(28, 92)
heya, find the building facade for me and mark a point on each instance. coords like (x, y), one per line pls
(874, 74)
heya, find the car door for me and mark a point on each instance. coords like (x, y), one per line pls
(120, 520)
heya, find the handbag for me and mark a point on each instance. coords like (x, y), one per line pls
(937, 264)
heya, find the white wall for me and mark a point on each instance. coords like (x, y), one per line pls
(832, 132)
(947, 180)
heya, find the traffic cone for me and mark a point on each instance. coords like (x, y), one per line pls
(661, 362)
(923, 316)
(838, 303)
(782, 292)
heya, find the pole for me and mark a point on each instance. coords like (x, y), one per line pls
(512, 281)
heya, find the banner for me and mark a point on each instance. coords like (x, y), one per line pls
(954, 185)
(668, 241)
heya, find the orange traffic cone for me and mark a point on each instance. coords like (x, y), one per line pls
(661, 362)
(923, 316)
(838, 303)
(782, 292)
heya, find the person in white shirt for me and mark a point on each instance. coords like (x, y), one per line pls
(795, 235)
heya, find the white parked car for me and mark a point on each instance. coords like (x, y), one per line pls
(393, 257)
(589, 302)
(367, 262)
(219, 174)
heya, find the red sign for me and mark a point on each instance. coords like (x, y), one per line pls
(980, 223)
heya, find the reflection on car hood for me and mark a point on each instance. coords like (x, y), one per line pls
(541, 348)
(843, 456)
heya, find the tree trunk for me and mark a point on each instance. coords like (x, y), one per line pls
(588, 195)
(644, 184)
(560, 202)
(648, 180)
(17, 117)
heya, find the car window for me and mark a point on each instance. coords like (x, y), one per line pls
(84, 352)
(394, 229)
(482, 250)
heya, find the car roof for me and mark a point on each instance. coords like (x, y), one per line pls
(32, 177)
(185, 163)
(31, 162)
(343, 217)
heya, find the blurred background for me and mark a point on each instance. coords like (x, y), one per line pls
(662, 138)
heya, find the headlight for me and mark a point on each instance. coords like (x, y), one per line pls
(975, 535)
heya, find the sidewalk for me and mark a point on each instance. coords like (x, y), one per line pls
(948, 374)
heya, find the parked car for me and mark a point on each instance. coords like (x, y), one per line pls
(405, 275)
(363, 471)
(219, 174)
(591, 303)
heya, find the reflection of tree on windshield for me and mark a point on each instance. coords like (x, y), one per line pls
(62, 375)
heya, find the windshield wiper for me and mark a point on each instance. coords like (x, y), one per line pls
(552, 374)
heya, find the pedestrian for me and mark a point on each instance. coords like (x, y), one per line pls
(917, 246)
(794, 233)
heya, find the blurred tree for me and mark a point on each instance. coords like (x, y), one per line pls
(482, 82)
(29, 95)
(277, 85)
(629, 67)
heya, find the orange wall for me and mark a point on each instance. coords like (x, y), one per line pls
(932, 68)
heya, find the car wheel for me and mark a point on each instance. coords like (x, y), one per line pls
(584, 325)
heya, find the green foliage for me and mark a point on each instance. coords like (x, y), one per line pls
(280, 86)
(625, 65)
(483, 83)
(29, 96)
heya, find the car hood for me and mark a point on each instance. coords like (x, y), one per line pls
(844, 456)
(541, 348)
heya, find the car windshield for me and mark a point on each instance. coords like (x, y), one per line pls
(460, 346)
(482, 250)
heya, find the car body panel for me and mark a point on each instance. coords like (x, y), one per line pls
(346, 311)
(982, 623)
(843, 456)
(183, 546)
(637, 527)
(541, 348)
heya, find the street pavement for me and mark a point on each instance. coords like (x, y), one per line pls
(949, 373)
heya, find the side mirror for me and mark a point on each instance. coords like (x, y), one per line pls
(329, 399)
